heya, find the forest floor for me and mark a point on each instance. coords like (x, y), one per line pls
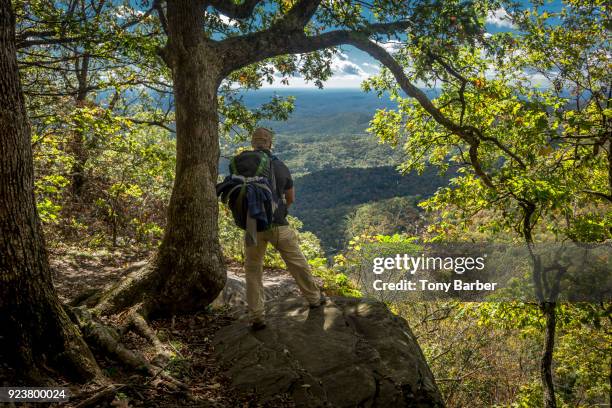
(189, 337)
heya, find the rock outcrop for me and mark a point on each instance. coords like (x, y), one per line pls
(348, 353)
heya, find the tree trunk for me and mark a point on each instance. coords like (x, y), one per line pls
(188, 271)
(550, 314)
(35, 332)
(548, 309)
(190, 256)
(78, 146)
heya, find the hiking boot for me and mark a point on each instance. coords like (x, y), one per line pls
(321, 302)
(258, 325)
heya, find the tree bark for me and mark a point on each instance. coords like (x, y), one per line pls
(78, 146)
(190, 257)
(188, 271)
(547, 307)
(36, 332)
(546, 375)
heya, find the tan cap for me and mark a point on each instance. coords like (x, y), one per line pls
(261, 138)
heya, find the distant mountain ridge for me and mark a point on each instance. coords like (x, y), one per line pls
(332, 111)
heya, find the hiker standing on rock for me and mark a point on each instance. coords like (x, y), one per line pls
(259, 191)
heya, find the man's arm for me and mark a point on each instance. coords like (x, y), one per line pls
(283, 173)
(289, 196)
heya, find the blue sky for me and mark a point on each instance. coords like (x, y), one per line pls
(352, 66)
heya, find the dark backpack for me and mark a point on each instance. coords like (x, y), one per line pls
(251, 185)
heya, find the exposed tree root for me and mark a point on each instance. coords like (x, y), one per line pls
(145, 291)
(163, 288)
(89, 298)
(129, 291)
(108, 340)
(135, 321)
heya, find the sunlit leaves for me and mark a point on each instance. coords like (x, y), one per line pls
(553, 133)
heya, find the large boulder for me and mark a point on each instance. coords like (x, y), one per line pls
(348, 353)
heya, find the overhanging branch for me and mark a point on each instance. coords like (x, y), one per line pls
(284, 39)
(380, 54)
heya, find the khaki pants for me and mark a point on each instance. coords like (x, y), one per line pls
(285, 240)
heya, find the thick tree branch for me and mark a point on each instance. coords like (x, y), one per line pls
(280, 39)
(381, 55)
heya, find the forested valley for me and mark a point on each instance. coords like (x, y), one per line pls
(118, 263)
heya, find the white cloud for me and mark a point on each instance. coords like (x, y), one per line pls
(333, 82)
(500, 18)
(372, 67)
(342, 66)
